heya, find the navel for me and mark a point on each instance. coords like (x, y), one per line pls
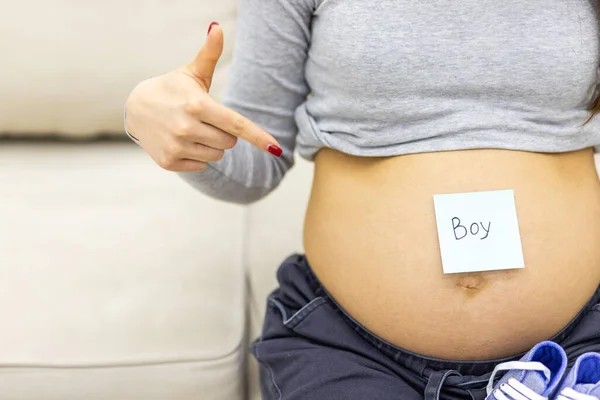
(472, 284)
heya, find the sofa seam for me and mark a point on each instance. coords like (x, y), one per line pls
(232, 353)
(247, 296)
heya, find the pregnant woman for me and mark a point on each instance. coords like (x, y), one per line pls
(398, 101)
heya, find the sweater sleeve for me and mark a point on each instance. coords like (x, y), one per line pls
(266, 84)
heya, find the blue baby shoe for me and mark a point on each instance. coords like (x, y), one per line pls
(535, 377)
(583, 381)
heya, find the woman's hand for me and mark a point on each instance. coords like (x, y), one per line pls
(179, 124)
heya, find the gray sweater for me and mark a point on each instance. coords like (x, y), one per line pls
(390, 77)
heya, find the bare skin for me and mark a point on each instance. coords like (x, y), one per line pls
(370, 236)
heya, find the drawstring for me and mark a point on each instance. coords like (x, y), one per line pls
(435, 383)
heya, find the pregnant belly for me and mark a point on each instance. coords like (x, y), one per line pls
(371, 238)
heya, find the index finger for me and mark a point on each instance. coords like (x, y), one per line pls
(236, 124)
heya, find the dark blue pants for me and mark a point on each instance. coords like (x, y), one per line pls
(311, 350)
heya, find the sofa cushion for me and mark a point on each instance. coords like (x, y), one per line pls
(193, 380)
(70, 71)
(115, 275)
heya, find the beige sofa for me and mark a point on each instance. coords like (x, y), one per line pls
(117, 280)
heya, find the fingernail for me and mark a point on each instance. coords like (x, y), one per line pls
(211, 26)
(275, 150)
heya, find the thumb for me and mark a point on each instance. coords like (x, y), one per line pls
(203, 66)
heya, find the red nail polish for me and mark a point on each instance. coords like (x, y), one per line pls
(211, 26)
(275, 150)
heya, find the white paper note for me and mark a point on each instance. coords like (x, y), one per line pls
(478, 231)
